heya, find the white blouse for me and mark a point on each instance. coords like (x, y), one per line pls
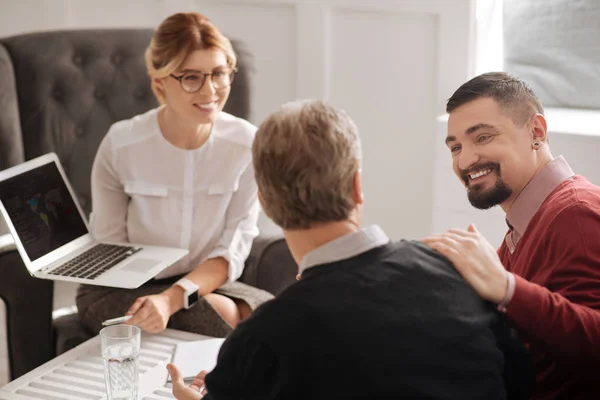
(147, 191)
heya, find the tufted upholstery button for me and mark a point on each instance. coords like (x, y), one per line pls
(79, 131)
(57, 93)
(77, 59)
(117, 59)
(140, 93)
(99, 94)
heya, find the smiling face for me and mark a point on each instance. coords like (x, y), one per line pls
(203, 106)
(491, 154)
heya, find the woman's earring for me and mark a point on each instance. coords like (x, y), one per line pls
(536, 145)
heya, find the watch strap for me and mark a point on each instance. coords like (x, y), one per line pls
(187, 285)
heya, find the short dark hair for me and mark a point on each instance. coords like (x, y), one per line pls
(512, 94)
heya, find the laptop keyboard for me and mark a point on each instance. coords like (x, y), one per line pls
(95, 261)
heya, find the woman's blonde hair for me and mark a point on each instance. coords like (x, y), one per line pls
(176, 38)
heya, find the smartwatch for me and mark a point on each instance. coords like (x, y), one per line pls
(190, 292)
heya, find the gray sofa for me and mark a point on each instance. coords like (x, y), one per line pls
(60, 92)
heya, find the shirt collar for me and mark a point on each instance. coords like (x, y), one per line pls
(536, 191)
(345, 247)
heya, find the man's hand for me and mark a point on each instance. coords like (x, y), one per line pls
(150, 313)
(475, 259)
(183, 392)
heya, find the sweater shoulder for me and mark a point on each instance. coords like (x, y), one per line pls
(570, 200)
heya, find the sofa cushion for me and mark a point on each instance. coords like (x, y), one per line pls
(69, 332)
(270, 265)
(553, 45)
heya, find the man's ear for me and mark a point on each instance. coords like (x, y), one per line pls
(358, 195)
(539, 129)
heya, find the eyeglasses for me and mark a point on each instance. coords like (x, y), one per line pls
(193, 81)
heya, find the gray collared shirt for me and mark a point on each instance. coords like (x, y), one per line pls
(345, 247)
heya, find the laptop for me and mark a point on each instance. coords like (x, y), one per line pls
(53, 238)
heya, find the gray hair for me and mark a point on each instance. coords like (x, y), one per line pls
(306, 154)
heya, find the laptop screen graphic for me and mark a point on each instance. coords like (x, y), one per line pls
(41, 210)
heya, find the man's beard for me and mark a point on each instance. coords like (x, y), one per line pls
(481, 198)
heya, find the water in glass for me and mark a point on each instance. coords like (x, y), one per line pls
(121, 369)
(120, 345)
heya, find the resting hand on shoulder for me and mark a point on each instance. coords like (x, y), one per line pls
(150, 313)
(475, 259)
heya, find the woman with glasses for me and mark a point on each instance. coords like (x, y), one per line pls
(181, 176)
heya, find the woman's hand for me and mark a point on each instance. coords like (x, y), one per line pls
(151, 313)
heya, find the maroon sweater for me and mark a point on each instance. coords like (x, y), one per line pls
(556, 304)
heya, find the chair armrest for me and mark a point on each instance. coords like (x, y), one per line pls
(28, 303)
(270, 265)
(7, 243)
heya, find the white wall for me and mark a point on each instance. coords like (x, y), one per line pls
(489, 39)
(390, 63)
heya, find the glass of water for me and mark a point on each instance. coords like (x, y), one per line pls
(120, 346)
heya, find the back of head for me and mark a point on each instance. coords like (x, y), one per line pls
(306, 155)
(176, 38)
(513, 95)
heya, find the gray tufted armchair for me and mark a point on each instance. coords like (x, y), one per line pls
(60, 92)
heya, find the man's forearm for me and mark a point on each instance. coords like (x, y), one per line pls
(568, 331)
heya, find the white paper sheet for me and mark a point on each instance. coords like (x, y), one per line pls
(193, 357)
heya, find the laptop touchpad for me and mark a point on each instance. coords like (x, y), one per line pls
(144, 265)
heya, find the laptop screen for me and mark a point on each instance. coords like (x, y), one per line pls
(41, 210)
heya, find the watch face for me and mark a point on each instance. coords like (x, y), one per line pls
(193, 298)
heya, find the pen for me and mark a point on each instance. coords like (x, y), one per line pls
(117, 320)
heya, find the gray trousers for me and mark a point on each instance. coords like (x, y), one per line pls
(96, 304)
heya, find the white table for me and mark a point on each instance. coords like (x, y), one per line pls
(79, 373)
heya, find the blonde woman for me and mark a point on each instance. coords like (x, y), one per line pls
(180, 175)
